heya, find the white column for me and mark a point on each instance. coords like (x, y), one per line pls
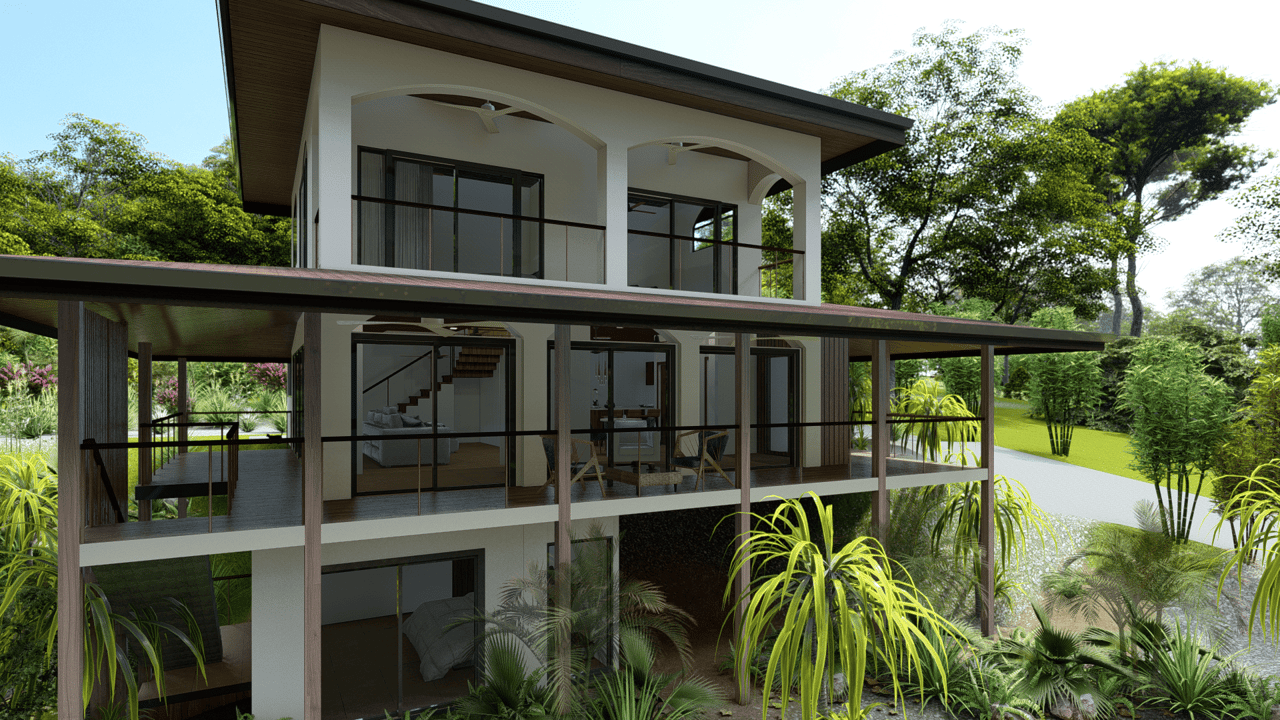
(807, 236)
(611, 178)
(749, 231)
(531, 402)
(333, 158)
(278, 633)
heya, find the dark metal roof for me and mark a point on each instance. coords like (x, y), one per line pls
(243, 312)
(269, 49)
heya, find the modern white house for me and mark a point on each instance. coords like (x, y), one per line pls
(529, 295)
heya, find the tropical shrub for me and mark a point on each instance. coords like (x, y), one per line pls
(215, 404)
(1257, 510)
(29, 568)
(506, 690)
(271, 376)
(1187, 677)
(1064, 386)
(27, 377)
(925, 397)
(829, 605)
(272, 404)
(1250, 697)
(27, 416)
(985, 689)
(1179, 420)
(1124, 573)
(1254, 439)
(1057, 665)
(638, 692)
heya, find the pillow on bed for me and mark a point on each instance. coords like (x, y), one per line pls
(438, 646)
(395, 420)
(410, 421)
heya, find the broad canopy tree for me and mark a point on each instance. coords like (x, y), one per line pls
(1169, 128)
(1258, 229)
(986, 199)
(1229, 296)
(99, 193)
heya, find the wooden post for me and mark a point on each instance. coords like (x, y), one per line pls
(987, 531)
(564, 517)
(312, 515)
(70, 512)
(183, 403)
(742, 581)
(880, 437)
(145, 394)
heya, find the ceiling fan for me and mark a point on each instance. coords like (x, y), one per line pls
(445, 328)
(486, 111)
(675, 148)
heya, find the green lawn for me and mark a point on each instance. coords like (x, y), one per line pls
(1094, 449)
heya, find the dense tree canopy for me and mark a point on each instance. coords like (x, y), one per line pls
(1168, 126)
(986, 199)
(1258, 229)
(1228, 296)
(99, 193)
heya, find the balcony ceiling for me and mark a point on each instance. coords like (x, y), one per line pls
(229, 312)
(269, 49)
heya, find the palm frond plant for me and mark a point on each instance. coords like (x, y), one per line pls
(1141, 566)
(638, 692)
(986, 690)
(828, 605)
(1057, 665)
(507, 689)
(928, 397)
(860, 403)
(114, 641)
(215, 404)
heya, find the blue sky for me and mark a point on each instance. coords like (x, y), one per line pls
(156, 66)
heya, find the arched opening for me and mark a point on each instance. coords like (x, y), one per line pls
(458, 179)
(700, 218)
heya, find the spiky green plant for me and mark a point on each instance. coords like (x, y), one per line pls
(1188, 678)
(1256, 508)
(1250, 697)
(272, 404)
(29, 563)
(928, 397)
(827, 604)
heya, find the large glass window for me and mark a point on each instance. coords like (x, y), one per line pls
(681, 244)
(774, 385)
(390, 636)
(433, 214)
(406, 387)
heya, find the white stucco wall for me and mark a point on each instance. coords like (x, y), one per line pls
(359, 98)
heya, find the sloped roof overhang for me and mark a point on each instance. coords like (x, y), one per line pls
(269, 48)
(230, 312)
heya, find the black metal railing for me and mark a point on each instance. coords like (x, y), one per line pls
(445, 246)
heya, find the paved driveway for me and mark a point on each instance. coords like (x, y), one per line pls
(1067, 489)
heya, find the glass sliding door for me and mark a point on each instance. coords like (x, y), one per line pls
(774, 383)
(448, 215)
(406, 387)
(386, 636)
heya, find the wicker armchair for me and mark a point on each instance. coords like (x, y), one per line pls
(703, 453)
(581, 461)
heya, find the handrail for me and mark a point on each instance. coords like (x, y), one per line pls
(406, 367)
(156, 421)
(485, 213)
(730, 243)
(780, 263)
(106, 482)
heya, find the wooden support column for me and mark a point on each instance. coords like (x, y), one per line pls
(70, 512)
(880, 437)
(312, 515)
(987, 530)
(146, 392)
(183, 403)
(835, 400)
(742, 474)
(564, 454)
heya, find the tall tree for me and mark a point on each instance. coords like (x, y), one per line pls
(1169, 126)
(984, 188)
(1228, 296)
(1258, 229)
(100, 193)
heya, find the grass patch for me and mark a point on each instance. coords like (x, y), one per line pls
(1094, 449)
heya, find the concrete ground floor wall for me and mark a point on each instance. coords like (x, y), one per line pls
(510, 553)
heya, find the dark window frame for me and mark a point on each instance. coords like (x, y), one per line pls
(718, 244)
(516, 175)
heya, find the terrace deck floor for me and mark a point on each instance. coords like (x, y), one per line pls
(269, 493)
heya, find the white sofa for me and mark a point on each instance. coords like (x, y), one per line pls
(390, 452)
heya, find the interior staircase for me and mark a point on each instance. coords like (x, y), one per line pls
(470, 362)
